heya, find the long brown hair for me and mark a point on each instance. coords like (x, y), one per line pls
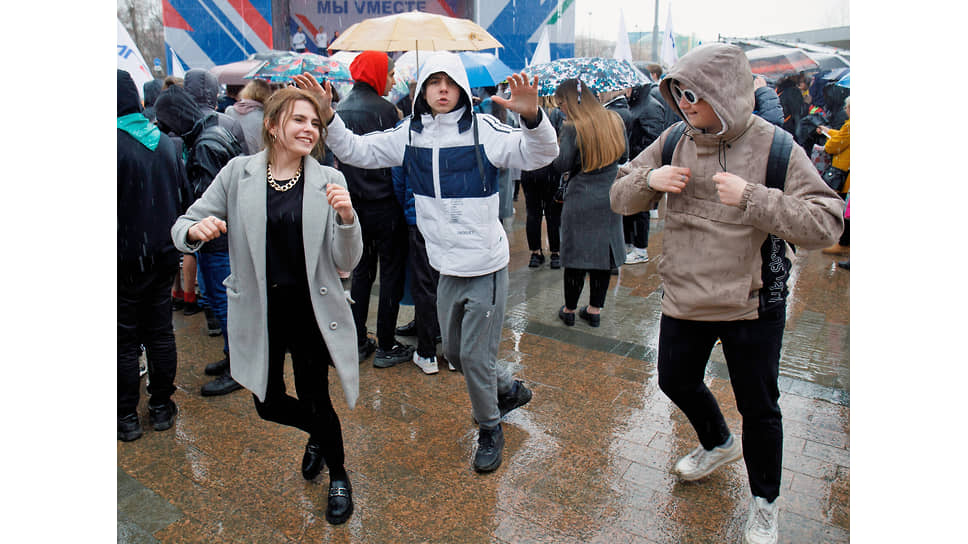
(278, 109)
(601, 133)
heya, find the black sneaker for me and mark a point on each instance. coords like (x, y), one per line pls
(214, 327)
(223, 385)
(555, 261)
(518, 396)
(537, 259)
(129, 428)
(191, 308)
(218, 367)
(410, 329)
(490, 443)
(177, 304)
(162, 417)
(366, 349)
(399, 354)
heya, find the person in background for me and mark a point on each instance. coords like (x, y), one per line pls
(151, 91)
(202, 85)
(364, 110)
(593, 144)
(329, 50)
(299, 41)
(838, 146)
(231, 96)
(539, 200)
(248, 112)
(726, 263)
(766, 103)
(152, 191)
(456, 199)
(322, 40)
(291, 227)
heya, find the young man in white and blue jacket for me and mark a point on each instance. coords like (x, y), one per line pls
(452, 157)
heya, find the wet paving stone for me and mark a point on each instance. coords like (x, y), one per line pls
(588, 460)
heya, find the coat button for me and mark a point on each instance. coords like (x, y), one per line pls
(322, 290)
(333, 325)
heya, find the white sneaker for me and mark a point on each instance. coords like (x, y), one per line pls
(451, 367)
(637, 255)
(700, 462)
(761, 525)
(427, 364)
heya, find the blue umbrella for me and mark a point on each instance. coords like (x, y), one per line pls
(844, 81)
(484, 69)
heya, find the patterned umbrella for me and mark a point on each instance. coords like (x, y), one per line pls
(598, 74)
(281, 69)
(774, 63)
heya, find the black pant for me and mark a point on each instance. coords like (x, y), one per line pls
(636, 229)
(574, 279)
(292, 325)
(385, 240)
(144, 318)
(539, 191)
(423, 289)
(752, 350)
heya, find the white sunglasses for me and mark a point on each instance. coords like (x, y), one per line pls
(678, 93)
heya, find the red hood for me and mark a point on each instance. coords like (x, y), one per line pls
(370, 67)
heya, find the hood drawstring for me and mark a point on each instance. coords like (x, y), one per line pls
(721, 154)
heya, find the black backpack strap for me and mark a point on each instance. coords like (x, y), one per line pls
(477, 153)
(672, 140)
(779, 159)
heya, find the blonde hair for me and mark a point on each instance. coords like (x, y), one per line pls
(601, 133)
(277, 110)
(257, 90)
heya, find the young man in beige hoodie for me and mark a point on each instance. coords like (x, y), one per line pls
(725, 263)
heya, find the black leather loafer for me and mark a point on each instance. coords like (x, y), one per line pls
(312, 462)
(568, 318)
(594, 320)
(339, 507)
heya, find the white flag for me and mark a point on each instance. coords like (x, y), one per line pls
(669, 53)
(622, 48)
(177, 69)
(542, 53)
(131, 61)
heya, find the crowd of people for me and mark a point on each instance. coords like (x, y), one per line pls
(283, 209)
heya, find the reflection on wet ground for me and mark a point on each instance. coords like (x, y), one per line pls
(587, 460)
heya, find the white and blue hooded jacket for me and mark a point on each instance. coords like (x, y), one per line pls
(456, 206)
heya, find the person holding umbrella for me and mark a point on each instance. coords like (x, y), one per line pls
(291, 228)
(452, 156)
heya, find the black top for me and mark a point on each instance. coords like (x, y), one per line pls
(286, 259)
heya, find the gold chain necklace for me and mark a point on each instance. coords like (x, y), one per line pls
(286, 187)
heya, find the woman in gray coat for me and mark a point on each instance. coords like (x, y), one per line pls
(593, 144)
(292, 228)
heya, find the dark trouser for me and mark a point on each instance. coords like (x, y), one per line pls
(597, 286)
(384, 240)
(752, 350)
(636, 229)
(144, 318)
(845, 237)
(539, 191)
(292, 325)
(213, 268)
(423, 289)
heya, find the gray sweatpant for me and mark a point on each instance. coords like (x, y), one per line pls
(471, 314)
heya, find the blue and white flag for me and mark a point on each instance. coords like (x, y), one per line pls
(669, 53)
(131, 61)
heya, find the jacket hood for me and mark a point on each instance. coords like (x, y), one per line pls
(202, 85)
(151, 89)
(371, 67)
(128, 99)
(720, 74)
(246, 105)
(450, 64)
(177, 111)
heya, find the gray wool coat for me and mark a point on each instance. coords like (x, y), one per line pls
(591, 233)
(238, 196)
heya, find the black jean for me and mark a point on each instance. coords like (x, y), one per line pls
(574, 280)
(385, 241)
(292, 325)
(423, 289)
(539, 191)
(636, 229)
(144, 318)
(752, 350)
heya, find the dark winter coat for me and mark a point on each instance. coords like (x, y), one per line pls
(767, 105)
(153, 191)
(791, 99)
(649, 114)
(151, 89)
(202, 85)
(363, 111)
(591, 233)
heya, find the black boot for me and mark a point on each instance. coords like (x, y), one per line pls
(218, 367)
(223, 385)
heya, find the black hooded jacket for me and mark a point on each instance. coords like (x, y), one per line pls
(153, 191)
(649, 118)
(202, 85)
(364, 111)
(210, 147)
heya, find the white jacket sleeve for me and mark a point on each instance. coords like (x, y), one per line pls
(524, 148)
(373, 150)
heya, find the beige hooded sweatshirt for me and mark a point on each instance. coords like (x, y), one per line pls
(712, 265)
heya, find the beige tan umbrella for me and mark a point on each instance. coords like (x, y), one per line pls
(415, 30)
